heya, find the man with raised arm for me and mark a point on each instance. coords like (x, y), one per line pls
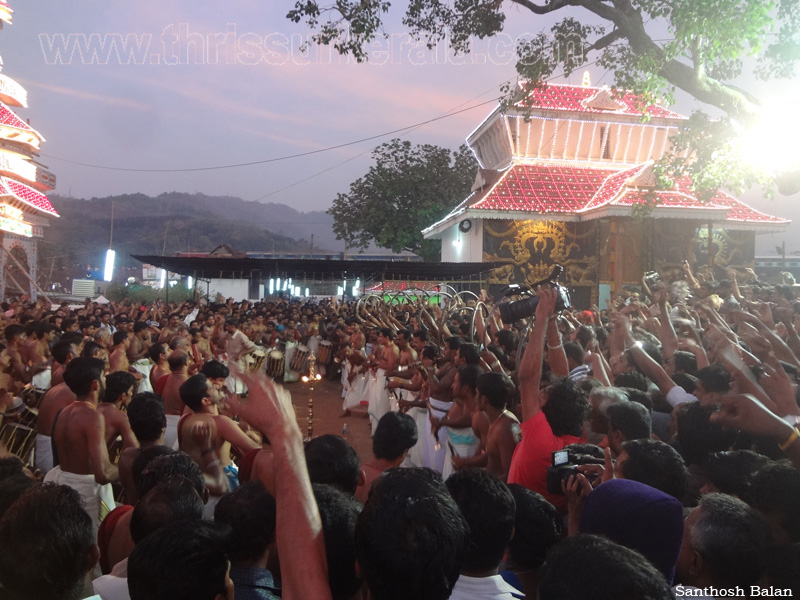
(552, 418)
(298, 530)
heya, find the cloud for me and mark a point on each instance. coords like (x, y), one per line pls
(84, 95)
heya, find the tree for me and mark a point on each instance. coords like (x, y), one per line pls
(710, 43)
(407, 189)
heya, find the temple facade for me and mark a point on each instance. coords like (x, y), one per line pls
(559, 181)
(24, 208)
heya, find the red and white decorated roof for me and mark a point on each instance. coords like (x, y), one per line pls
(580, 192)
(27, 195)
(10, 119)
(5, 11)
(589, 99)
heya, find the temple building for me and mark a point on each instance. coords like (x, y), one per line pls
(559, 182)
(24, 208)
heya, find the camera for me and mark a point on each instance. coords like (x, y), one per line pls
(651, 278)
(565, 464)
(526, 307)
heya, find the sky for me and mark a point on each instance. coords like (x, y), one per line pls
(179, 84)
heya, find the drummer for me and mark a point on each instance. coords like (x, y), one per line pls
(290, 333)
(237, 344)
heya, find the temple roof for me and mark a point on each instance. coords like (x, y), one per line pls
(581, 192)
(27, 195)
(589, 99)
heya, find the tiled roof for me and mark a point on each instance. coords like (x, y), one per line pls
(543, 189)
(574, 98)
(29, 196)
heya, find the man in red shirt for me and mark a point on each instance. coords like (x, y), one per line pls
(552, 417)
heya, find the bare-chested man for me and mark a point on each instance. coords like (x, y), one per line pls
(56, 398)
(79, 439)
(119, 391)
(440, 385)
(158, 354)
(171, 330)
(12, 360)
(137, 354)
(384, 359)
(173, 405)
(463, 442)
(504, 433)
(118, 357)
(37, 352)
(202, 397)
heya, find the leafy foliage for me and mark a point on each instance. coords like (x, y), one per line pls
(709, 44)
(407, 189)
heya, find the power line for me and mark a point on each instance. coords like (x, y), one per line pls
(272, 160)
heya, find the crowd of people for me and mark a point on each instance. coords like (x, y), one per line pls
(648, 450)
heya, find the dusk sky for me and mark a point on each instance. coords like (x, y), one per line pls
(185, 85)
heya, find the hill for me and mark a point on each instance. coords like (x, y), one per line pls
(173, 222)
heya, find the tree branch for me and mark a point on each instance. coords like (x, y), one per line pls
(606, 40)
(543, 9)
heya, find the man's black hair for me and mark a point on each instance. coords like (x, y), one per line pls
(11, 488)
(139, 326)
(155, 351)
(454, 343)
(172, 499)
(339, 514)
(386, 332)
(507, 340)
(537, 527)
(592, 566)
(715, 378)
(685, 362)
(81, 372)
(410, 525)
(395, 433)
(497, 387)
(468, 376)
(61, 349)
(697, 435)
(574, 351)
(732, 472)
(775, 492)
(90, 349)
(117, 383)
(331, 460)
(249, 511)
(656, 464)
(470, 353)
(630, 418)
(193, 391)
(182, 561)
(13, 330)
(566, 408)
(119, 337)
(171, 464)
(488, 507)
(421, 334)
(213, 369)
(46, 537)
(631, 379)
(146, 416)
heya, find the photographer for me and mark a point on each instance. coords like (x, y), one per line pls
(552, 417)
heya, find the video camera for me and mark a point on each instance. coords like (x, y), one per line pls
(565, 464)
(526, 307)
